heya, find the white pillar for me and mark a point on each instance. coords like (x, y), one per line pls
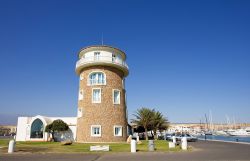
(151, 145)
(174, 139)
(171, 145)
(137, 139)
(11, 146)
(184, 143)
(133, 146)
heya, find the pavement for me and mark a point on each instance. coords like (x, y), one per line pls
(202, 151)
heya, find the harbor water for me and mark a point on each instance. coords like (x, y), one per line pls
(226, 138)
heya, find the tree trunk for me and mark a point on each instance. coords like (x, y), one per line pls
(53, 138)
(152, 134)
(146, 131)
(155, 135)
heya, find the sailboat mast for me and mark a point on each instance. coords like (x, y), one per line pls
(206, 122)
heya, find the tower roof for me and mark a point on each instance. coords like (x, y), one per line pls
(91, 60)
(101, 47)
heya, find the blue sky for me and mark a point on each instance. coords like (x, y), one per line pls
(186, 58)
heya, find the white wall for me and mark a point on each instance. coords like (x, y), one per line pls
(68, 120)
(21, 128)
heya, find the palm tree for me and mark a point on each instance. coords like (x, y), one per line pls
(144, 118)
(159, 122)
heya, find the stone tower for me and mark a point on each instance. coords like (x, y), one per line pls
(102, 110)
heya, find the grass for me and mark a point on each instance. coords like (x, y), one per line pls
(55, 147)
(4, 142)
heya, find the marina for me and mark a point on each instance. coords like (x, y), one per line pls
(225, 138)
(220, 132)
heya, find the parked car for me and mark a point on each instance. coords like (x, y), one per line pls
(169, 136)
(189, 137)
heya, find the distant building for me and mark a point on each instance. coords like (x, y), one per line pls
(102, 108)
(7, 130)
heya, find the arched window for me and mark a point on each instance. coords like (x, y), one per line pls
(37, 129)
(97, 78)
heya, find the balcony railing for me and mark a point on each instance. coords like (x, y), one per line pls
(101, 59)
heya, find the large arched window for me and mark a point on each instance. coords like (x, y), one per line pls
(97, 78)
(37, 129)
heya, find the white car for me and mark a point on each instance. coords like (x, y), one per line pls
(189, 137)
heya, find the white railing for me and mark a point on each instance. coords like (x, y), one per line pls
(104, 59)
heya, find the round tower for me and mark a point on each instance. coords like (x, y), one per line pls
(102, 110)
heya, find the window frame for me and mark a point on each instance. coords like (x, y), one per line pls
(37, 126)
(118, 126)
(89, 80)
(81, 76)
(80, 95)
(79, 112)
(92, 128)
(97, 55)
(93, 95)
(113, 96)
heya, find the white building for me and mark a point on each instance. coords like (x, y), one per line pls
(32, 128)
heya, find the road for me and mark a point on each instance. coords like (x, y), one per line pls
(203, 151)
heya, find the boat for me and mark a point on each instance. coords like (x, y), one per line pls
(220, 132)
(239, 132)
(206, 133)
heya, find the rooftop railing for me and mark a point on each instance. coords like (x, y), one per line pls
(101, 59)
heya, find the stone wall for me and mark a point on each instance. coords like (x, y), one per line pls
(105, 113)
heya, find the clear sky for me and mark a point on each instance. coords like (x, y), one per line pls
(186, 58)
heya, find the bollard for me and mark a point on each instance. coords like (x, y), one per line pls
(133, 146)
(11, 146)
(137, 139)
(184, 143)
(171, 145)
(151, 145)
(174, 139)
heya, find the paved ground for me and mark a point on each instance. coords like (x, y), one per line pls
(204, 151)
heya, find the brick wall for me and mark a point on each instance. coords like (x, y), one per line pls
(105, 113)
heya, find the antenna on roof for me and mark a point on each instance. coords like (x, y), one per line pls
(102, 38)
